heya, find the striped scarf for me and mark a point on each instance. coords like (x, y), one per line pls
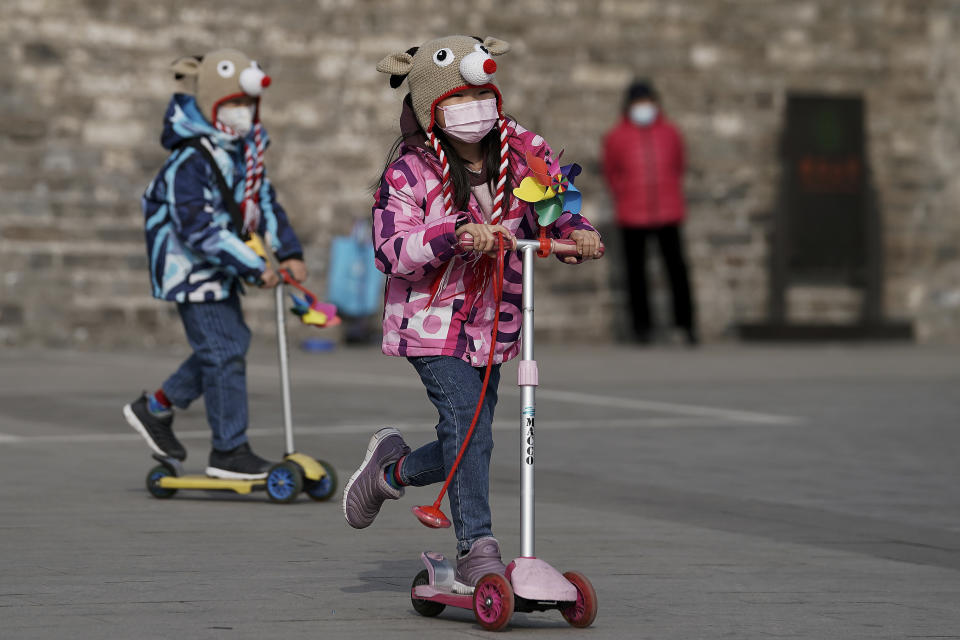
(253, 174)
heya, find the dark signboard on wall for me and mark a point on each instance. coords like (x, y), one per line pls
(827, 225)
(825, 222)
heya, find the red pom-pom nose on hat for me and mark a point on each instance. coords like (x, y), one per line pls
(477, 68)
(253, 80)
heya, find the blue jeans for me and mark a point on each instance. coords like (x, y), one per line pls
(453, 387)
(216, 369)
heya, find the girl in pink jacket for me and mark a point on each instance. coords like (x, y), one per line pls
(459, 160)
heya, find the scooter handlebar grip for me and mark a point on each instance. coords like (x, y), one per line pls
(567, 248)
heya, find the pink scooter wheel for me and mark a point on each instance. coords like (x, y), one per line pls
(493, 602)
(583, 612)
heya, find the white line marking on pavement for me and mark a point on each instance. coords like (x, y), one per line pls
(577, 397)
(573, 397)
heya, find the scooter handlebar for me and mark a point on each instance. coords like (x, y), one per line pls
(562, 248)
(565, 248)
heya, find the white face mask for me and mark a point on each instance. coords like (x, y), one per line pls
(470, 121)
(643, 114)
(240, 119)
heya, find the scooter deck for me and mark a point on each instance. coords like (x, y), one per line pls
(312, 469)
(431, 593)
(538, 586)
(206, 482)
(439, 587)
(314, 477)
(180, 480)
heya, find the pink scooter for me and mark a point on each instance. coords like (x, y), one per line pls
(530, 583)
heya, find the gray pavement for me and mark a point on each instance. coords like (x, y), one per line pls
(727, 492)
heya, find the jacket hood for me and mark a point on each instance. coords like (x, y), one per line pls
(183, 120)
(413, 134)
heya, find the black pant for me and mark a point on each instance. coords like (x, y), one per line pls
(635, 250)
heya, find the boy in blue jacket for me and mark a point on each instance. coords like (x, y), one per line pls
(210, 194)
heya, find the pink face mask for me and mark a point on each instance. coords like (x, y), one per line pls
(470, 121)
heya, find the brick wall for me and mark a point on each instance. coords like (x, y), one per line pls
(83, 88)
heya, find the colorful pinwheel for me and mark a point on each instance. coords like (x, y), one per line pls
(550, 189)
(310, 310)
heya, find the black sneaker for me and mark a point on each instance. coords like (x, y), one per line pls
(158, 432)
(240, 463)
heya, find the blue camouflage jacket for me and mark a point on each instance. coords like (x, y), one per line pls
(194, 252)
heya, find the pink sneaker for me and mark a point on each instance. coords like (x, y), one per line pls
(483, 558)
(367, 489)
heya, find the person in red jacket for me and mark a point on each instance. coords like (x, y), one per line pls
(643, 162)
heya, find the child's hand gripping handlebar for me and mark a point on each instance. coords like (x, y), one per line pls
(269, 278)
(544, 246)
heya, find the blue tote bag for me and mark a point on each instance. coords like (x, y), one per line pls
(353, 283)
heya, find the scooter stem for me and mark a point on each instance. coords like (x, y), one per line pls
(528, 385)
(284, 369)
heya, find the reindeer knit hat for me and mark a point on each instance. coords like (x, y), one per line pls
(439, 68)
(215, 78)
(219, 76)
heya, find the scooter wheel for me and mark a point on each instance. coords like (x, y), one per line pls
(583, 612)
(284, 482)
(153, 482)
(426, 608)
(493, 602)
(323, 488)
